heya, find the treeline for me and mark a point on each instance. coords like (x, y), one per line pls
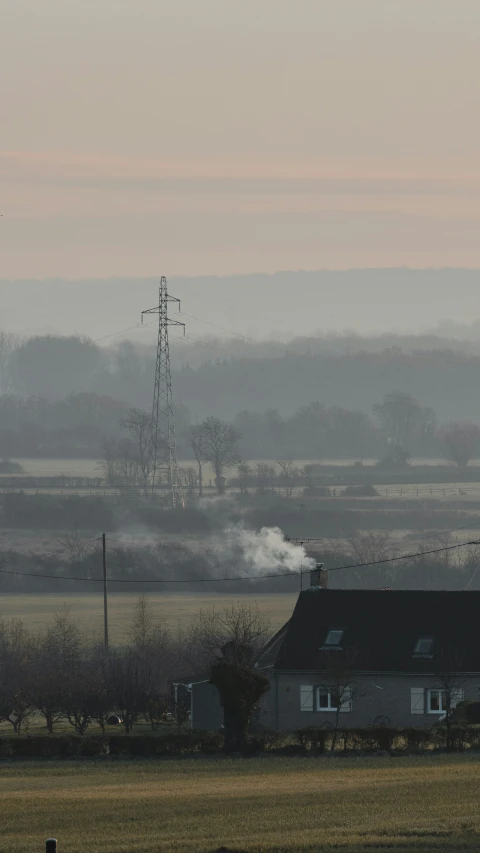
(62, 675)
(88, 425)
(348, 373)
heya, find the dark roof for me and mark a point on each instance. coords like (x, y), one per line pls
(384, 626)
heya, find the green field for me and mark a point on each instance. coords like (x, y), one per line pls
(269, 804)
(175, 609)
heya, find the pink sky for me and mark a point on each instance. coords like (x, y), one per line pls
(215, 137)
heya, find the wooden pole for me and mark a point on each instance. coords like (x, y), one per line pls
(105, 595)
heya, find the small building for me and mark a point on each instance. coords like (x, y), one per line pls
(394, 657)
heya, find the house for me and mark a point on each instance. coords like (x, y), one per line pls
(392, 657)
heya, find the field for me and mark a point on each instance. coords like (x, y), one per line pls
(175, 609)
(270, 804)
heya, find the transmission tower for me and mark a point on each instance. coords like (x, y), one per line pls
(165, 466)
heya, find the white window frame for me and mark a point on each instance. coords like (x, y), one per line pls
(443, 700)
(320, 708)
(345, 706)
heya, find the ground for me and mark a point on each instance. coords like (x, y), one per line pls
(269, 804)
(175, 609)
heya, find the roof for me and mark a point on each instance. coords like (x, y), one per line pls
(384, 626)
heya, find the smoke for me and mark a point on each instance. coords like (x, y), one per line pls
(264, 551)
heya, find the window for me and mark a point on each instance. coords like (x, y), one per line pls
(325, 701)
(334, 638)
(436, 701)
(423, 647)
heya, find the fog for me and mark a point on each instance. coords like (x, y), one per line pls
(281, 306)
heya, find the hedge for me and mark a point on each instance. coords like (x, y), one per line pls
(307, 741)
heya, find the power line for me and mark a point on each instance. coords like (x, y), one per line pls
(240, 577)
(406, 556)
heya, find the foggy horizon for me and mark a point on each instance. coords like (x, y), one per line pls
(444, 302)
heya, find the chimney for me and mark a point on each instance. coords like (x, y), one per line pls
(319, 577)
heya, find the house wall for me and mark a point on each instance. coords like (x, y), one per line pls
(207, 712)
(368, 702)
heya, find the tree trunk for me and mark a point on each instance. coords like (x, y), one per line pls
(200, 480)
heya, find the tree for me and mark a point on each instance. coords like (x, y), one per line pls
(197, 442)
(244, 472)
(56, 666)
(240, 687)
(141, 431)
(54, 367)
(153, 647)
(231, 640)
(16, 650)
(459, 442)
(400, 416)
(189, 478)
(339, 680)
(289, 475)
(449, 679)
(239, 624)
(128, 685)
(220, 447)
(264, 475)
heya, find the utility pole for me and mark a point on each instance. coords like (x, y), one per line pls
(165, 465)
(105, 596)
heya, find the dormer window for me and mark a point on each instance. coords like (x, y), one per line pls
(423, 647)
(334, 638)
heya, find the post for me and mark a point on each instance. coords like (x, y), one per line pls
(51, 845)
(105, 597)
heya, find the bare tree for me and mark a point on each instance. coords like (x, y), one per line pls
(244, 472)
(220, 447)
(449, 681)
(231, 639)
(289, 474)
(140, 428)
(16, 649)
(240, 625)
(189, 478)
(55, 665)
(265, 475)
(460, 442)
(403, 420)
(339, 680)
(197, 442)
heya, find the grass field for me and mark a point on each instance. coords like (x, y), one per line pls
(270, 804)
(176, 609)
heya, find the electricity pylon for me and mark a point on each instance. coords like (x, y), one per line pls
(165, 465)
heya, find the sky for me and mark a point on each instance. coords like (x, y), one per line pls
(189, 138)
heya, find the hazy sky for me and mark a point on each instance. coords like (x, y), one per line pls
(215, 136)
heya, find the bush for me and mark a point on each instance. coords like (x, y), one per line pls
(312, 739)
(9, 467)
(366, 490)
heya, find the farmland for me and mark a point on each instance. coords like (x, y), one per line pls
(174, 609)
(269, 804)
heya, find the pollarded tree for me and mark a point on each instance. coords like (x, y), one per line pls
(460, 442)
(232, 638)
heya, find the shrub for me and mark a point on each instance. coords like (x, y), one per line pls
(313, 739)
(366, 490)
